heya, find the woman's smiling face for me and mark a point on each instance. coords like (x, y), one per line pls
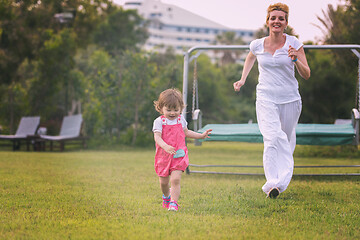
(277, 21)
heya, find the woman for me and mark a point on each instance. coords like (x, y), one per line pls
(278, 102)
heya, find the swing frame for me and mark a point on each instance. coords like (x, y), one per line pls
(188, 58)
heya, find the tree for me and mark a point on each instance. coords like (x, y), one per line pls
(103, 99)
(25, 26)
(212, 86)
(327, 95)
(52, 82)
(122, 30)
(242, 104)
(119, 92)
(19, 40)
(341, 25)
(229, 38)
(137, 75)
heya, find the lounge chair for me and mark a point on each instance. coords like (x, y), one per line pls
(70, 131)
(26, 128)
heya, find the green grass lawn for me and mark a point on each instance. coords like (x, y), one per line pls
(116, 195)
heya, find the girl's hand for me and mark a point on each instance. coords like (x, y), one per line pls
(170, 149)
(206, 134)
(293, 53)
(237, 85)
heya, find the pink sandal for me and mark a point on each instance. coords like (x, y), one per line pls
(173, 206)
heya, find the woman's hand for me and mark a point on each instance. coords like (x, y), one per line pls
(293, 53)
(237, 85)
(299, 59)
(249, 63)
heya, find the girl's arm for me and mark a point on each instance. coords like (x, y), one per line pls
(301, 63)
(249, 63)
(195, 135)
(159, 141)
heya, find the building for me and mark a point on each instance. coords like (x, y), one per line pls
(172, 26)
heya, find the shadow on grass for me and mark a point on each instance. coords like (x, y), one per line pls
(242, 176)
(327, 178)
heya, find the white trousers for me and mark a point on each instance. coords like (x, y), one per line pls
(277, 124)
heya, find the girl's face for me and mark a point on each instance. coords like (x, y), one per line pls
(277, 21)
(171, 113)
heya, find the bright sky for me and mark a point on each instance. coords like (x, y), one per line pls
(251, 14)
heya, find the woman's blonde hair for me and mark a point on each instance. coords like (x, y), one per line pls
(279, 7)
(171, 98)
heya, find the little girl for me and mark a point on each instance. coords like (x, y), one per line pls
(171, 157)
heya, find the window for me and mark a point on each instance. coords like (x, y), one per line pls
(155, 14)
(133, 3)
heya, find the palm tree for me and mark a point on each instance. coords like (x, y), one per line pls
(229, 38)
(334, 24)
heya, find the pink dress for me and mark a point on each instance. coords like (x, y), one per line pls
(174, 136)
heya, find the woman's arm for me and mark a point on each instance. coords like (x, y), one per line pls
(301, 63)
(249, 63)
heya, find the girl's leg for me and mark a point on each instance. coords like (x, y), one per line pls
(164, 185)
(175, 185)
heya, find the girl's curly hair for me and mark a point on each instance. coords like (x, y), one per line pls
(171, 98)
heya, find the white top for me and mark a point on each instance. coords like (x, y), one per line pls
(157, 126)
(277, 82)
